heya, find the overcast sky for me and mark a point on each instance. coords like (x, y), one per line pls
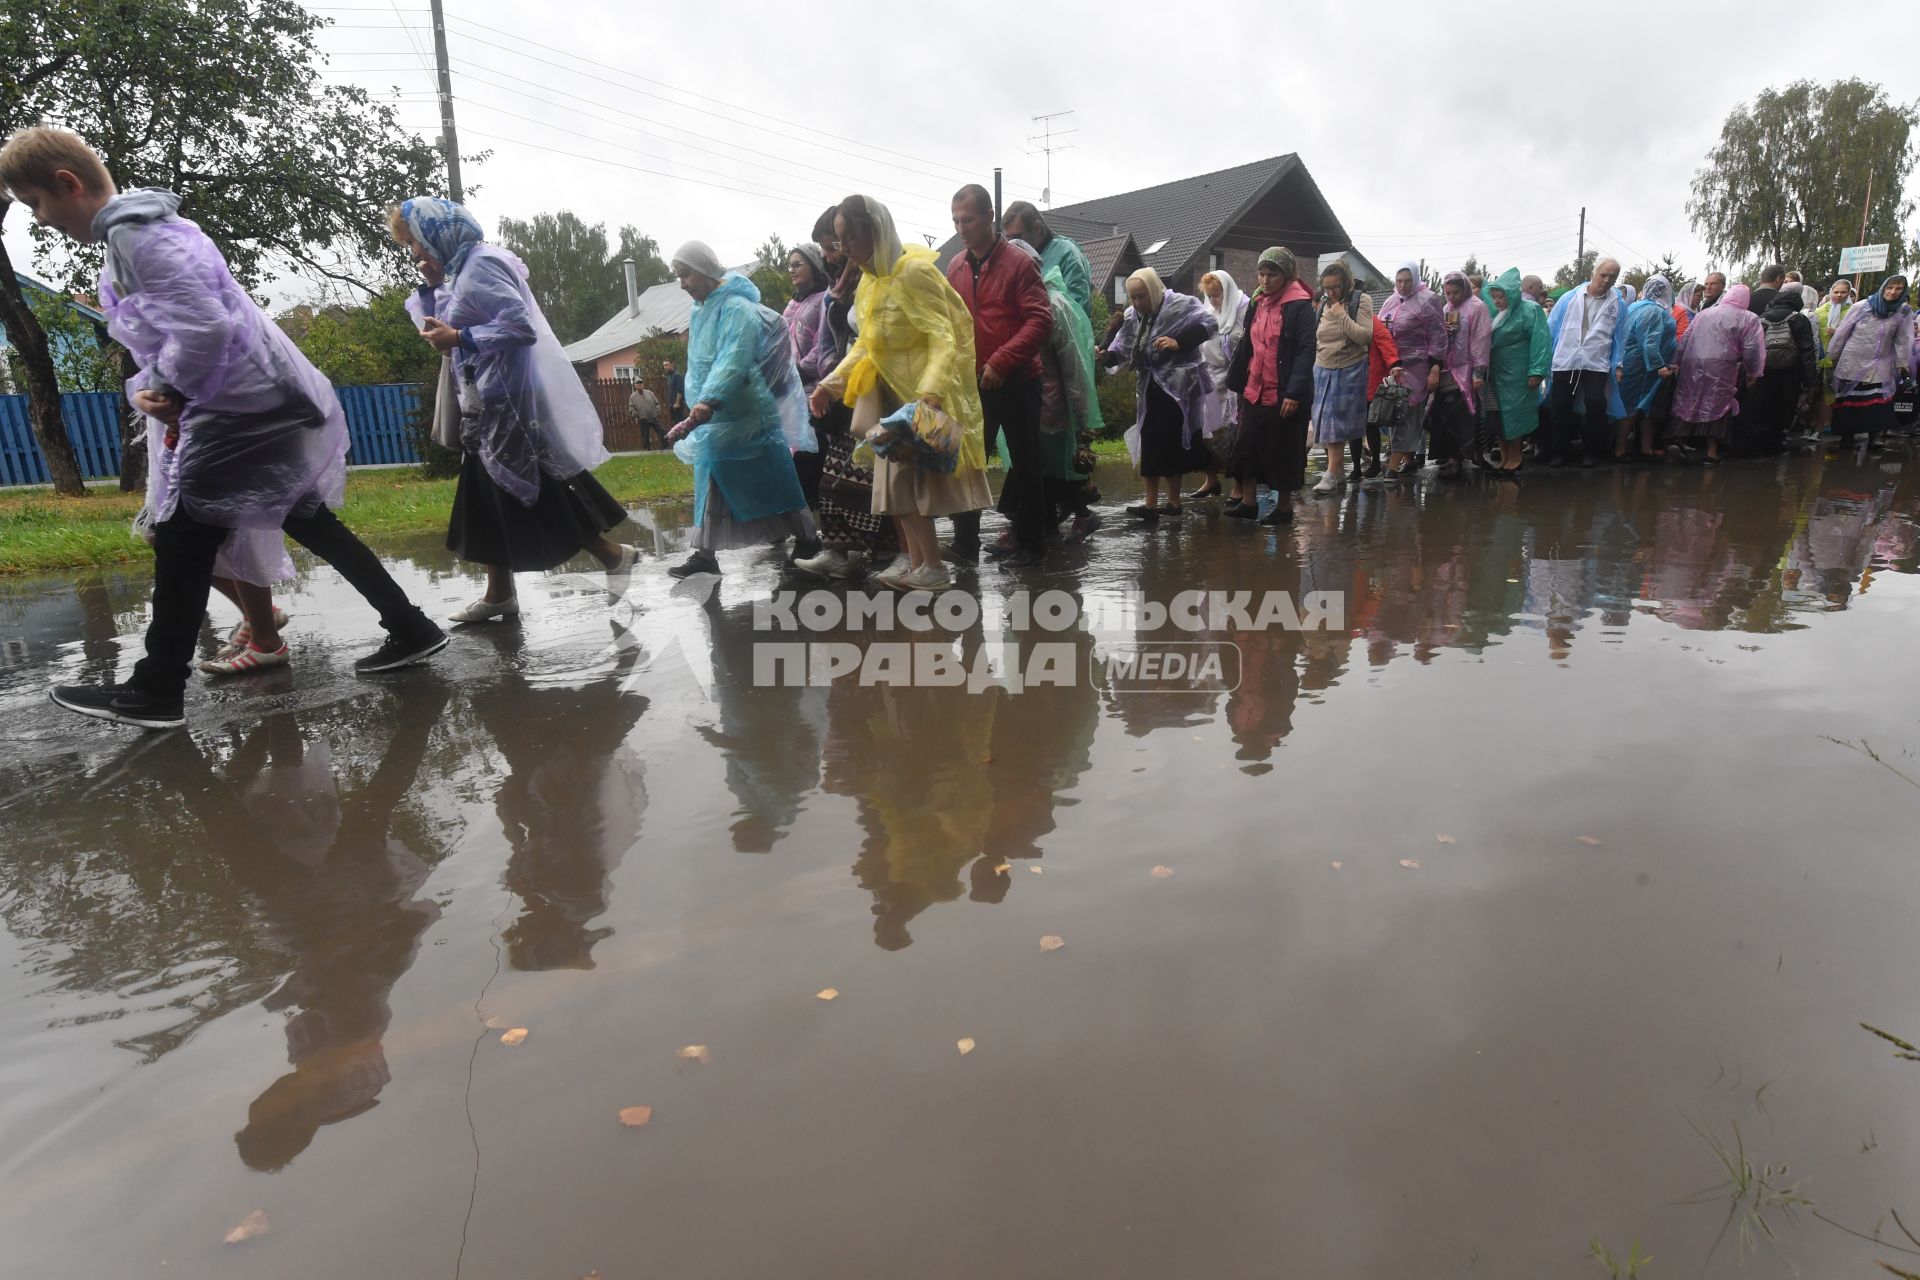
(1435, 130)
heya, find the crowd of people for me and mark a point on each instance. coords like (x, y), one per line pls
(847, 425)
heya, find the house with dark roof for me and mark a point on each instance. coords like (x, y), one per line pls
(37, 291)
(1214, 221)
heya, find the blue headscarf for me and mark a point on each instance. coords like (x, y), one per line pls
(1878, 302)
(445, 229)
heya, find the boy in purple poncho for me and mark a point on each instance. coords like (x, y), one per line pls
(261, 441)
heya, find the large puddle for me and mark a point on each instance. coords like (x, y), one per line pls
(1443, 944)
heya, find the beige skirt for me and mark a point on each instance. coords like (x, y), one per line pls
(906, 490)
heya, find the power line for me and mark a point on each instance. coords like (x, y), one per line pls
(959, 169)
(621, 164)
(856, 183)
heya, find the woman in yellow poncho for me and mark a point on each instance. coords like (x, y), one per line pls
(914, 342)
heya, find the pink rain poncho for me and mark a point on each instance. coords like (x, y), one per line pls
(1723, 341)
(522, 408)
(1469, 340)
(261, 436)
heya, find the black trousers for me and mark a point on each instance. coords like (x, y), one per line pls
(1013, 407)
(183, 555)
(649, 429)
(1589, 387)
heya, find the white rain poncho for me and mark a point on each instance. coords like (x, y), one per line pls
(262, 435)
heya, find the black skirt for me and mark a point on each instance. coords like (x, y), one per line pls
(1162, 432)
(1270, 450)
(490, 526)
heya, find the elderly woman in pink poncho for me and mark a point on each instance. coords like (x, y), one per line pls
(1414, 315)
(1455, 381)
(1724, 344)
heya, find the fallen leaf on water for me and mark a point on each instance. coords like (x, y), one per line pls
(1161, 873)
(1052, 942)
(1411, 864)
(1334, 865)
(695, 1053)
(493, 1023)
(254, 1224)
(1587, 839)
(634, 1117)
(964, 1045)
(828, 994)
(1003, 868)
(514, 1036)
(1446, 839)
(1036, 870)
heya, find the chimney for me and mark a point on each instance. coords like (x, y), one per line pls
(633, 287)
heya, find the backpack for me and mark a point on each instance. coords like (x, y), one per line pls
(1782, 351)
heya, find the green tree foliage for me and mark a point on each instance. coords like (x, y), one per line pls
(1668, 266)
(1578, 271)
(362, 345)
(221, 101)
(1788, 179)
(82, 360)
(770, 273)
(578, 282)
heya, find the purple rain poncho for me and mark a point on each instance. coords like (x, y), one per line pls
(1181, 374)
(1418, 324)
(522, 408)
(1873, 344)
(262, 435)
(1723, 340)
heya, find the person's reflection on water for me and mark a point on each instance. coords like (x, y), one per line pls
(572, 802)
(769, 738)
(1042, 741)
(916, 762)
(335, 880)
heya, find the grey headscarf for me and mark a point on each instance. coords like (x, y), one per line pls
(816, 260)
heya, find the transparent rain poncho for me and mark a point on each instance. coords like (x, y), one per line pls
(523, 410)
(1181, 374)
(262, 435)
(740, 362)
(1652, 337)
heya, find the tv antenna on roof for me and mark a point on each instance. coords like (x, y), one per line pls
(1046, 145)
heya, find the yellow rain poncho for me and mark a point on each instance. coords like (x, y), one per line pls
(916, 335)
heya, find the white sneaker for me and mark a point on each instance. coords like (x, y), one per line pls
(828, 564)
(245, 660)
(619, 575)
(485, 610)
(897, 568)
(242, 633)
(1331, 480)
(928, 577)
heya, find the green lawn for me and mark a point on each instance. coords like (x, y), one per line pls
(40, 531)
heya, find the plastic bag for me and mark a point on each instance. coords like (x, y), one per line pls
(143, 524)
(916, 434)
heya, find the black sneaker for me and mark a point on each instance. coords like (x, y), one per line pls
(698, 562)
(1282, 513)
(120, 703)
(402, 651)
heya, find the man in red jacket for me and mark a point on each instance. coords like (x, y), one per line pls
(1012, 320)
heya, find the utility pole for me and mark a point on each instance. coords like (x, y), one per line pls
(1579, 252)
(1047, 147)
(996, 197)
(1864, 208)
(449, 142)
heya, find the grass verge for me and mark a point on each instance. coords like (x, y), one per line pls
(41, 531)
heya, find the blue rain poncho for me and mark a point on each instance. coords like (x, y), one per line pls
(261, 435)
(522, 408)
(740, 364)
(1650, 346)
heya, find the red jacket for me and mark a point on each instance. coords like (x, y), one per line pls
(1382, 355)
(1012, 318)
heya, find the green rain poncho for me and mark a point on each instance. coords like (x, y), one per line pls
(1521, 350)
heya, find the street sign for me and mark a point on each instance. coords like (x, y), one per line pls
(1864, 257)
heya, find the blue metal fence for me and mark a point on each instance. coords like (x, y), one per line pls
(376, 431)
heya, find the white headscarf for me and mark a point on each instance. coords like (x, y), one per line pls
(699, 259)
(1230, 298)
